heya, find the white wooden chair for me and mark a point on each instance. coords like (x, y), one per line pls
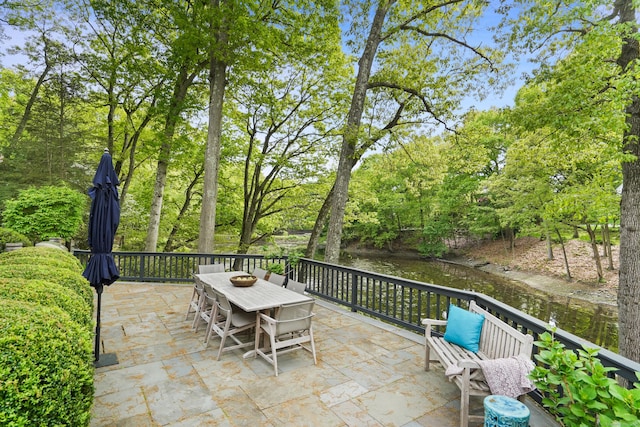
(259, 273)
(289, 330)
(295, 286)
(277, 279)
(229, 321)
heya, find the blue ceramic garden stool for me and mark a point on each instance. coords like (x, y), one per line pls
(503, 411)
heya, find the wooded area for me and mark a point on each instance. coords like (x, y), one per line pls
(250, 118)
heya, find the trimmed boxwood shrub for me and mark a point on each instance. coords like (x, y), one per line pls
(62, 276)
(46, 369)
(35, 259)
(50, 294)
(9, 236)
(57, 255)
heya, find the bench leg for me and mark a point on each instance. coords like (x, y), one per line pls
(464, 399)
(427, 356)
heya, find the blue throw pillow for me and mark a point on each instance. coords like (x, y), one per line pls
(464, 328)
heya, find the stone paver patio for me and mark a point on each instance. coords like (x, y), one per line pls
(368, 373)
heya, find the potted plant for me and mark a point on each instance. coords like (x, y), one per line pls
(275, 268)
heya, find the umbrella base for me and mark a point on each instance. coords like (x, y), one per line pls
(107, 359)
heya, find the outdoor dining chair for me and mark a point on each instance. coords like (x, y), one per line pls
(295, 286)
(206, 310)
(210, 268)
(195, 301)
(289, 330)
(227, 321)
(259, 273)
(197, 295)
(277, 279)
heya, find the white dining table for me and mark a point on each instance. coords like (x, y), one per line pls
(261, 296)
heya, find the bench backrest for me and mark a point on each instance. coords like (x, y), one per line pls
(498, 339)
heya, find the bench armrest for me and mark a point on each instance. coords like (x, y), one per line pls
(434, 322)
(429, 323)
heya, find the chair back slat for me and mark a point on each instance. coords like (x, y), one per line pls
(210, 268)
(277, 279)
(259, 273)
(294, 317)
(295, 286)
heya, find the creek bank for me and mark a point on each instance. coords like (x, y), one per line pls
(546, 283)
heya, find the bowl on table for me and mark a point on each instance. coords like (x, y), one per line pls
(243, 280)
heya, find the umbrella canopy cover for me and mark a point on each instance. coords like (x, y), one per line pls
(104, 219)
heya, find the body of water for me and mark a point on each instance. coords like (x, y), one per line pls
(594, 322)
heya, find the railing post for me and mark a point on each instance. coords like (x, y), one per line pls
(142, 274)
(354, 291)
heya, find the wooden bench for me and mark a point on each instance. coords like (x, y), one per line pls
(497, 340)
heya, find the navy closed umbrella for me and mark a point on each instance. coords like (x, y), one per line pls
(104, 219)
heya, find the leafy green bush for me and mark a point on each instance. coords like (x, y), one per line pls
(45, 212)
(46, 367)
(44, 252)
(578, 391)
(10, 236)
(42, 255)
(67, 278)
(50, 294)
(275, 268)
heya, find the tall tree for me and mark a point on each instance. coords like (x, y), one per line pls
(594, 33)
(248, 36)
(112, 45)
(185, 62)
(290, 121)
(629, 284)
(219, 26)
(424, 57)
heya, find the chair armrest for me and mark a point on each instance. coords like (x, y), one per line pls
(268, 319)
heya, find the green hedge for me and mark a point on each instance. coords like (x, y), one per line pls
(57, 257)
(46, 367)
(9, 236)
(62, 276)
(21, 259)
(50, 294)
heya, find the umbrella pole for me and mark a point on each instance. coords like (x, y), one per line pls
(99, 289)
(109, 358)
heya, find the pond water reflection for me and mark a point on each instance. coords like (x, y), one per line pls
(597, 323)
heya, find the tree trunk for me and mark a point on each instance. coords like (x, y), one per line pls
(596, 251)
(564, 254)
(576, 232)
(350, 136)
(607, 244)
(318, 226)
(629, 284)
(217, 83)
(549, 243)
(183, 82)
(170, 245)
(29, 106)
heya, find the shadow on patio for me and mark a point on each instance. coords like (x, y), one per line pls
(368, 373)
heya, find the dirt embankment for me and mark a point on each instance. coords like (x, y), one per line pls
(528, 262)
